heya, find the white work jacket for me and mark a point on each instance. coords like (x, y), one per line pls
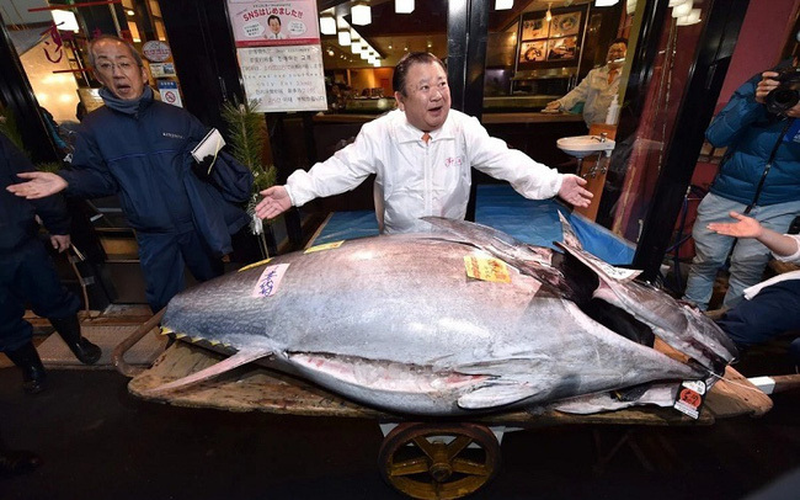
(596, 94)
(415, 179)
(752, 291)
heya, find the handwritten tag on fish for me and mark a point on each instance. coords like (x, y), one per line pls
(269, 281)
(326, 246)
(690, 398)
(487, 269)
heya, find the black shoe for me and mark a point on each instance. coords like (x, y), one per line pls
(33, 374)
(15, 462)
(70, 330)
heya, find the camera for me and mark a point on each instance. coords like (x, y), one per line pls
(787, 94)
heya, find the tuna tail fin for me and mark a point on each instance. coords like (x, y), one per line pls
(228, 364)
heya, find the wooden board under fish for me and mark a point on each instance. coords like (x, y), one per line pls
(253, 388)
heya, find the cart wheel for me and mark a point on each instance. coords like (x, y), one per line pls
(436, 461)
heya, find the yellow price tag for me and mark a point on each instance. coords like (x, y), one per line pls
(487, 269)
(255, 264)
(326, 246)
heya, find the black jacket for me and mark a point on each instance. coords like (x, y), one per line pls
(17, 222)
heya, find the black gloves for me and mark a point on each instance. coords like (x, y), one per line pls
(203, 169)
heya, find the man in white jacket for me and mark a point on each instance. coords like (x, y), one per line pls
(422, 154)
(597, 90)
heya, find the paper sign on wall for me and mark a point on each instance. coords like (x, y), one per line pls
(287, 78)
(273, 22)
(169, 93)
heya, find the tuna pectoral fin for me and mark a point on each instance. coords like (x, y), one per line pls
(492, 396)
(228, 364)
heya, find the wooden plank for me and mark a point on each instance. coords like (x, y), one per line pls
(260, 389)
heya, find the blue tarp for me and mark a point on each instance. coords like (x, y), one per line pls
(533, 221)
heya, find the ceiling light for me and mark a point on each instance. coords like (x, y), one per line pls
(361, 14)
(341, 23)
(503, 4)
(605, 3)
(692, 18)
(355, 46)
(344, 38)
(330, 51)
(364, 54)
(403, 6)
(675, 3)
(377, 63)
(683, 9)
(327, 24)
(548, 15)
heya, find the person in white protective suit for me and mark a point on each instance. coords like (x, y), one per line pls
(421, 154)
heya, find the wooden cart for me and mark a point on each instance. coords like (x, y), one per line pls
(432, 459)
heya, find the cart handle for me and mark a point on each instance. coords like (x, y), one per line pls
(118, 356)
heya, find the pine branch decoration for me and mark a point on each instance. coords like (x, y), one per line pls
(247, 134)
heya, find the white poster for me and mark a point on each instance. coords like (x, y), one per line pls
(169, 93)
(284, 78)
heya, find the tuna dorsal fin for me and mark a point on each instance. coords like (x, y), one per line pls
(494, 395)
(481, 236)
(240, 358)
(531, 260)
(569, 237)
(605, 271)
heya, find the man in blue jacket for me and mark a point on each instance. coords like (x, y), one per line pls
(28, 276)
(759, 176)
(139, 149)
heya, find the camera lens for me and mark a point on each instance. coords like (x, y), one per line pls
(781, 100)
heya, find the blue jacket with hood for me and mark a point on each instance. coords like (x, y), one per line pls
(751, 134)
(145, 159)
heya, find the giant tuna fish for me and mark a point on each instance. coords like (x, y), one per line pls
(398, 323)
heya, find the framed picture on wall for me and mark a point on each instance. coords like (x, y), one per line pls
(562, 49)
(535, 28)
(565, 24)
(533, 51)
(554, 44)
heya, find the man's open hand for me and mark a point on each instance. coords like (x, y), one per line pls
(572, 191)
(39, 185)
(276, 201)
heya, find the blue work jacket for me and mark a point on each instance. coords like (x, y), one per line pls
(146, 160)
(751, 133)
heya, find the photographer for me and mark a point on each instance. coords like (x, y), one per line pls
(759, 176)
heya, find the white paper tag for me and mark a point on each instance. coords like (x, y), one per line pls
(691, 394)
(211, 144)
(269, 281)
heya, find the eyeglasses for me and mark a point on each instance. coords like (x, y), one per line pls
(108, 66)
